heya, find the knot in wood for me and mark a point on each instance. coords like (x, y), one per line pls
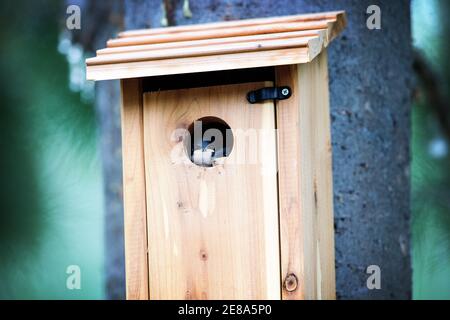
(291, 283)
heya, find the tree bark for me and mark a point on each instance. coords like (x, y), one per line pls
(99, 23)
(370, 91)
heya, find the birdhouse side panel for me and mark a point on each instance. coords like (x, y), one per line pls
(305, 182)
(134, 194)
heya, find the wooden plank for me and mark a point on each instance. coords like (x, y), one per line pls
(323, 183)
(305, 183)
(259, 43)
(330, 16)
(221, 33)
(336, 27)
(135, 218)
(291, 223)
(206, 42)
(198, 64)
(212, 49)
(213, 232)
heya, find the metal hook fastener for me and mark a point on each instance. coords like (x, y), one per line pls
(269, 93)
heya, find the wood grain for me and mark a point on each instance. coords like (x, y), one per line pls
(327, 16)
(221, 33)
(213, 232)
(216, 49)
(135, 216)
(198, 64)
(224, 46)
(305, 183)
(207, 42)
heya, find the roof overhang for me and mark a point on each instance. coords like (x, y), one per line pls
(216, 46)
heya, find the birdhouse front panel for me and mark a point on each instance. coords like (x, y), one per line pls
(212, 220)
(226, 158)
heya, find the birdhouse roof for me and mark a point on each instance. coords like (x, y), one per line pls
(216, 46)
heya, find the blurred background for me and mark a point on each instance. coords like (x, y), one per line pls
(52, 188)
(430, 151)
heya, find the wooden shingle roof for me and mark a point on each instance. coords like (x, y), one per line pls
(216, 46)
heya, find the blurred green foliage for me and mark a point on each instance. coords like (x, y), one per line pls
(51, 188)
(430, 158)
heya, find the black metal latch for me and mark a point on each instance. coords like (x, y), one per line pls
(269, 93)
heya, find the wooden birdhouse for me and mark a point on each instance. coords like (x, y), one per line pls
(226, 158)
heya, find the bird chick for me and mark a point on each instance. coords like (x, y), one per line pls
(203, 157)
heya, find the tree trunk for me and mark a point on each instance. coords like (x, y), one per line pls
(370, 72)
(99, 23)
